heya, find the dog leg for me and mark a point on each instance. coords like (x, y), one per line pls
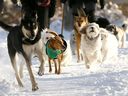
(78, 40)
(87, 62)
(21, 70)
(59, 65)
(104, 55)
(55, 63)
(16, 72)
(50, 67)
(41, 68)
(28, 63)
(34, 84)
(123, 40)
(12, 54)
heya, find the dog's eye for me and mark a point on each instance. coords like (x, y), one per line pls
(34, 25)
(28, 25)
(47, 38)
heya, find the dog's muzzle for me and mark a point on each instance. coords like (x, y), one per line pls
(92, 29)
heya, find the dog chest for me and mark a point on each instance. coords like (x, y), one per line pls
(31, 49)
(91, 46)
(52, 53)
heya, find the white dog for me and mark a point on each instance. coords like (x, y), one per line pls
(97, 44)
(109, 45)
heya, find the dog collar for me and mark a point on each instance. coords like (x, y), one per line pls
(52, 53)
(27, 41)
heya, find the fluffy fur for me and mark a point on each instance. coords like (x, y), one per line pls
(25, 39)
(109, 46)
(97, 44)
(103, 22)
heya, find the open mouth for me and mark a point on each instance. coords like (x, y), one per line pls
(92, 31)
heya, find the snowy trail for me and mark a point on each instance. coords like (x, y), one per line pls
(75, 80)
(109, 79)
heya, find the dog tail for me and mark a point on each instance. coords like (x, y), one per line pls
(5, 26)
(125, 27)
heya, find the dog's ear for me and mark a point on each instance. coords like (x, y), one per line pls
(51, 32)
(86, 19)
(83, 30)
(62, 36)
(81, 12)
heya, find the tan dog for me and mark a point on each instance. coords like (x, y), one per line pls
(78, 20)
(119, 32)
(55, 46)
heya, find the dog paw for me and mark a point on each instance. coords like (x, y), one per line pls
(56, 72)
(35, 88)
(50, 70)
(78, 61)
(87, 66)
(21, 85)
(40, 73)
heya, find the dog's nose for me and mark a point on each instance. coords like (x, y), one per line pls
(92, 29)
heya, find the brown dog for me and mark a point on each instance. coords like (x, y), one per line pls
(78, 20)
(55, 46)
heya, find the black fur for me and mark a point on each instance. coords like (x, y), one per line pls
(1, 5)
(31, 8)
(102, 22)
(14, 1)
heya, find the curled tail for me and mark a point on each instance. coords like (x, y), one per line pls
(125, 27)
(5, 26)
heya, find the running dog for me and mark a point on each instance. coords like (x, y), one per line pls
(119, 32)
(55, 48)
(78, 20)
(97, 44)
(25, 39)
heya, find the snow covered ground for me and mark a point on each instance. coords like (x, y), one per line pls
(109, 79)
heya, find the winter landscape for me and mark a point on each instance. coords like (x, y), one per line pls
(108, 79)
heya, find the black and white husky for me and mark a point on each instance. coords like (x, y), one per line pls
(25, 39)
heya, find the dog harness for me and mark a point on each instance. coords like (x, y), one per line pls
(52, 53)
